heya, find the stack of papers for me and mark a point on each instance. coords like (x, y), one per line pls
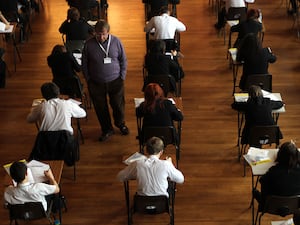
(283, 222)
(257, 156)
(134, 157)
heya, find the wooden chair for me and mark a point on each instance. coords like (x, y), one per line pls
(278, 205)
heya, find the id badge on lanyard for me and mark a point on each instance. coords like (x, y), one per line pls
(106, 60)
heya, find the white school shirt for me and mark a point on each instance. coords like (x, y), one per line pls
(55, 114)
(28, 192)
(165, 26)
(234, 3)
(152, 175)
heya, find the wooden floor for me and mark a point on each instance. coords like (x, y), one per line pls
(214, 191)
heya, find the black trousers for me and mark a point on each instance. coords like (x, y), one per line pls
(101, 94)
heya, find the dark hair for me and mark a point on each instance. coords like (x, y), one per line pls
(255, 94)
(152, 93)
(50, 90)
(18, 171)
(288, 155)
(154, 145)
(163, 9)
(252, 14)
(100, 25)
(73, 14)
(250, 47)
(57, 49)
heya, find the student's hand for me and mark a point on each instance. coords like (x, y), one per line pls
(49, 174)
(168, 158)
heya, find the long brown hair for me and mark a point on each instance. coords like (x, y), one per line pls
(153, 93)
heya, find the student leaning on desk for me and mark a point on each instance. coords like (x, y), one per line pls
(282, 179)
(152, 173)
(258, 111)
(26, 191)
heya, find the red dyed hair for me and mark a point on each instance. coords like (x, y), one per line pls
(153, 93)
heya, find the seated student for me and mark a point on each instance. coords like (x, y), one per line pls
(28, 192)
(54, 114)
(282, 179)
(258, 111)
(155, 6)
(250, 25)
(64, 67)
(2, 69)
(224, 9)
(74, 27)
(255, 58)
(165, 25)
(152, 174)
(156, 110)
(158, 63)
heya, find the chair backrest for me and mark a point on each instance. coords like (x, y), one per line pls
(27, 211)
(263, 135)
(167, 134)
(74, 45)
(151, 204)
(237, 13)
(56, 145)
(262, 80)
(281, 205)
(166, 82)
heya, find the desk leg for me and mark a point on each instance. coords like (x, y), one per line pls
(254, 186)
(240, 126)
(126, 188)
(16, 51)
(79, 130)
(234, 74)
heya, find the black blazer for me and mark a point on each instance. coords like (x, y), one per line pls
(55, 145)
(163, 115)
(280, 181)
(257, 113)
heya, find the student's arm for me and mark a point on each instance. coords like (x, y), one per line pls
(128, 173)
(52, 181)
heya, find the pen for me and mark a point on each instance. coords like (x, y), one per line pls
(260, 162)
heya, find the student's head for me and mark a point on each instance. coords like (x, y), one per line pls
(152, 93)
(154, 146)
(102, 29)
(50, 90)
(252, 14)
(73, 14)
(57, 49)
(18, 171)
(255, 92)
(163, 10)
(288, 155)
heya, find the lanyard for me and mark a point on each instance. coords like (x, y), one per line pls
(107, 50)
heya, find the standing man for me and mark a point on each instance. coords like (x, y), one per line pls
(104, 65)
